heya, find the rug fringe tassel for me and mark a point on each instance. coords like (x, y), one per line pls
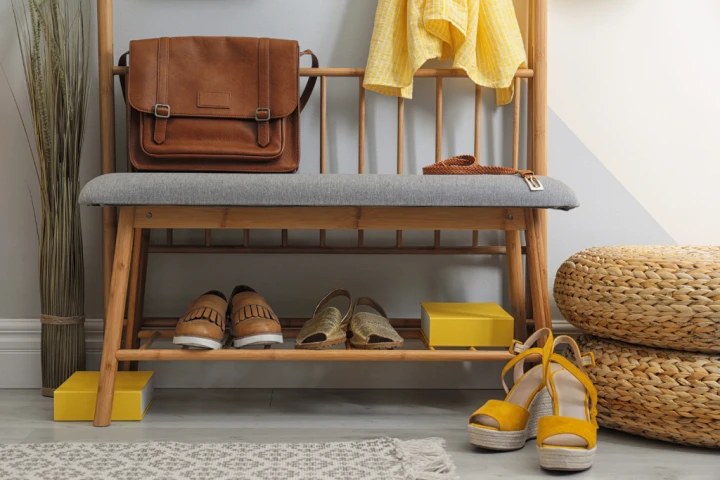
(425, 459)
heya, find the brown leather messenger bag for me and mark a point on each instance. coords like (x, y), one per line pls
(215, 104)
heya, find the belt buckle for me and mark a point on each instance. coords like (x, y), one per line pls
(533, 183)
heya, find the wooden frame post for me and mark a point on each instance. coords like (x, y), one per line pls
(106, 79)
(114, 317)
(539, 98)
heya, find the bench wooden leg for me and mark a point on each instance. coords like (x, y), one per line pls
(114, 318)
(516, 282)
(537, 261)
(136, 296)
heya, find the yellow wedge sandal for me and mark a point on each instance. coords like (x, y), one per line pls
(507, 424)
(566, 439)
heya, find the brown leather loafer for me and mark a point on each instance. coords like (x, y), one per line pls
(253, 321)
(203, 325)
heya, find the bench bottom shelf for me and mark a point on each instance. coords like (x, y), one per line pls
(337, 355)
(415, 350)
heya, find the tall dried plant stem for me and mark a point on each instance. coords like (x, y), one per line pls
(55, 50)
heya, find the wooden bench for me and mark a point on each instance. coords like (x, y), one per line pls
(145, 201)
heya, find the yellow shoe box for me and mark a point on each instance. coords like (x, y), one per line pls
(466, 325)
(75, 399)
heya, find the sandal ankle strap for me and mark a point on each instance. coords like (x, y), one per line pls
(340, 292)
(523, 350)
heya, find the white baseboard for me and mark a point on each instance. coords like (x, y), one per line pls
(20, 367)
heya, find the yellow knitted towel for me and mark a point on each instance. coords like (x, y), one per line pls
(481, 36)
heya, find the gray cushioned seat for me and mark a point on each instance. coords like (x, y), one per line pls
(245, 190)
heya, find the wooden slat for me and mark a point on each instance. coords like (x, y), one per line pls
(359, 72)
(438, 118)
(208, 237)
(396, 250)
(361, 126)
(478, 121)
(323, 124)
(478, 140)
(336, 355)
(323, 140)
(169, 237)
(361, 144)
(154, 323)
(438, 134)
(516, 125)
(246, 237)
(400, 154)
(344, 218)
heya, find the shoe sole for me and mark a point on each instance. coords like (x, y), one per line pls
(565, 459)
(506, 441)
(264, 339)
(198, 342)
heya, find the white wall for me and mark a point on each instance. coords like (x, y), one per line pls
(636, 82)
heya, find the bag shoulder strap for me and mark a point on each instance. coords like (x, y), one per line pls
(123, 78)
(305, 97)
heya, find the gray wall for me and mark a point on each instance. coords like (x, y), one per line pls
(339, 32)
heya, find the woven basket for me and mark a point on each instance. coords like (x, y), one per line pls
(655, 393)
(667, 297)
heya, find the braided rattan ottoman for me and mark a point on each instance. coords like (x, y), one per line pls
(661, 296)
(656, 393)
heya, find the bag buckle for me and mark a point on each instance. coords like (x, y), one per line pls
(160, 115)
(532, 182)
(262, 110)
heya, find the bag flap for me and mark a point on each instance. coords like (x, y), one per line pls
(213, 76)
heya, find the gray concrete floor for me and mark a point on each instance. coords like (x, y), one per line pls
(339, 415)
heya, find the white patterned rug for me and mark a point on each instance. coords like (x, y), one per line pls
(383, 458)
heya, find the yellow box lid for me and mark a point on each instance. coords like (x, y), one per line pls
(81, 382)
(465, 310)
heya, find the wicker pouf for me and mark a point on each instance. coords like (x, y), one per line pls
(662, 394)
(663, 296)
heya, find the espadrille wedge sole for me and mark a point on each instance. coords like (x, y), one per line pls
(490, 439)
(566, 459)
(566, 440)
